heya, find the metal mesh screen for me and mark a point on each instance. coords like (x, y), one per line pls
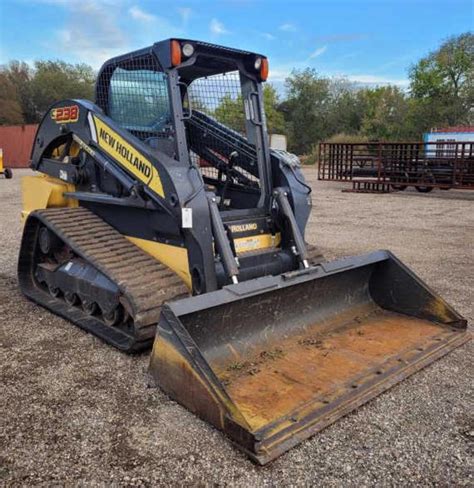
(135, 96)
(134, 93)
(220, 97)
(216, 129)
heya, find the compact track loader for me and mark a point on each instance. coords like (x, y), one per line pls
(161, 216)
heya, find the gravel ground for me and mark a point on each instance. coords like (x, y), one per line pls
(75, 411)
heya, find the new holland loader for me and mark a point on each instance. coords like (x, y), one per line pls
(161, 217)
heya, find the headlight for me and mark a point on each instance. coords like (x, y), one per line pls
(188, 50)
(257, 64)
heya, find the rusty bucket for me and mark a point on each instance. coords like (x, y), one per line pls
(274, 360)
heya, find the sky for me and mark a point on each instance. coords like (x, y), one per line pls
(366, 41)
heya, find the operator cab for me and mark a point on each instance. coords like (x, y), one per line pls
(198, 103)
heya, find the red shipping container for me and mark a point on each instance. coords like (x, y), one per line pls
(16, 142)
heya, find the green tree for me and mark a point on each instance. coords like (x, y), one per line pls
(35, 89)
(10, 103)
(230, 112)
(20, 75)
(346, 108)
(271, 102)
(306, 109)
(57, 80)
(442, 84)
(385, 112)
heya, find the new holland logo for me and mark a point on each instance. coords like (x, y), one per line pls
(130, 158)
(236, 229)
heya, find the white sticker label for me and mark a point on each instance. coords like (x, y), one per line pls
(187, 216)
(92, 127)
(63, 174)
(247, 110)
(68, 266)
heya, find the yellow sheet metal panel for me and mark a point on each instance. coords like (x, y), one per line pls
(43, 191)
(128, 157)
(175, 257)
(210, 403)
(256, 242)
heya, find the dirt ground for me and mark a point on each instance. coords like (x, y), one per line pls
(75, 411)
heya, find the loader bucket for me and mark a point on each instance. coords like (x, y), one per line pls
(274, 360)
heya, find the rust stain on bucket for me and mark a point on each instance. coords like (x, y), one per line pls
(325, 358)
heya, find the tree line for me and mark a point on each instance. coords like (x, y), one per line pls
(314, 107)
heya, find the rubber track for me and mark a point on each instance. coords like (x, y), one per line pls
(145, 284)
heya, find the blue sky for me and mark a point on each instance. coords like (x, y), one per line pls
(367, 41)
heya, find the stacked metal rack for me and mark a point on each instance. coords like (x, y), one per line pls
(381, 167)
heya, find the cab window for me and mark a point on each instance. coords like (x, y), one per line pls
(138, 100)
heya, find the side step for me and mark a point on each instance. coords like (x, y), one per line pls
(144, 283)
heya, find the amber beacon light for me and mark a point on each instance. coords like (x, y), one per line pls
(175, 53)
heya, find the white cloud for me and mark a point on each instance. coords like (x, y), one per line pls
(268, 36)
(217, 27)
(92, 31)
(154, 27)
(279, 72)
(185, 13)
(138, 14)
(318, 52)
(91, 34)
(72, 3)
(64, 3)
(377, 80)
(288, 27)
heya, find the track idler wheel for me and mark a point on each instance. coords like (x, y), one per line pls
(48, 242)
(91, 308)
(54, 291)
(71, 298)
(113, 317)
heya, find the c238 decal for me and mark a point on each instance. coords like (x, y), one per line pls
(65, 115)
